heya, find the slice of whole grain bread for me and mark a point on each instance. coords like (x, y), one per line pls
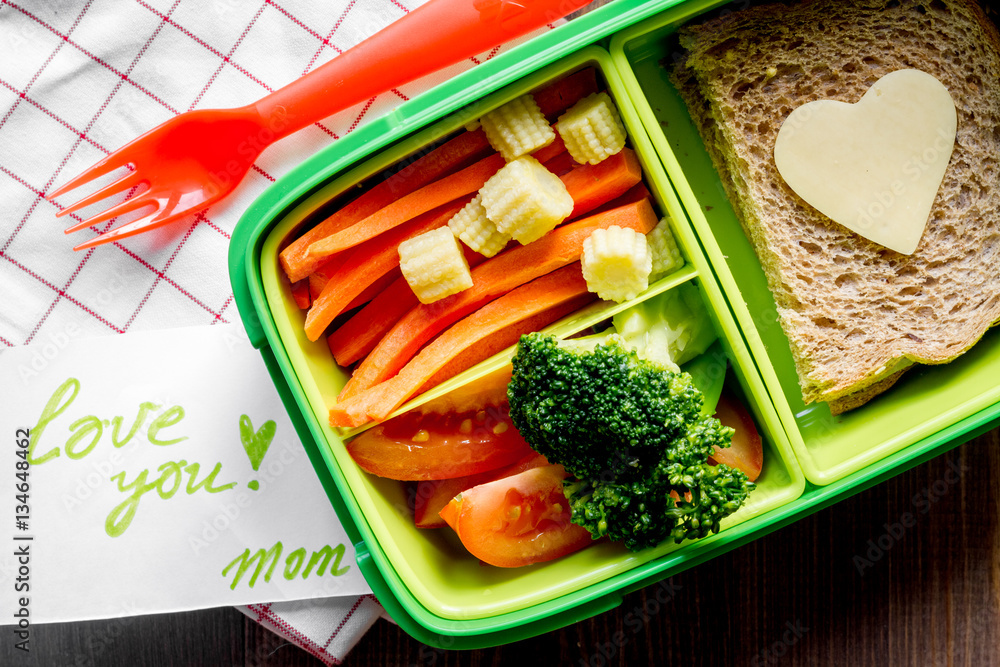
(855, 313)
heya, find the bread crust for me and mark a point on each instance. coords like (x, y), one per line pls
(855, 312)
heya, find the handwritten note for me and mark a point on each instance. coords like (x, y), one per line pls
(156, 472)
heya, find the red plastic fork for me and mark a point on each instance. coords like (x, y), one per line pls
(197, 158)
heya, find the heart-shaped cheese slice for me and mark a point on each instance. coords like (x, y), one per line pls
(874, 166)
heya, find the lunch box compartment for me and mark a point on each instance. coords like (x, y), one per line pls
(829, 448)
(430, 577)
(426, 580)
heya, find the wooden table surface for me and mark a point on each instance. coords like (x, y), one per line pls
(794, 597)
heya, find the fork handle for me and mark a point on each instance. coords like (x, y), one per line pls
(436, 34)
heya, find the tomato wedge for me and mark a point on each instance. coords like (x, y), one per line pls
(414, 446)
(517, 520)
(747, 451)
(433, 495)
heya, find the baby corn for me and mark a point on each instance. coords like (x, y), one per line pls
(477, 231)
(663, 247)
(526, 200)
(592, 129)
(434, 266)
(517, 128)
(616, 263)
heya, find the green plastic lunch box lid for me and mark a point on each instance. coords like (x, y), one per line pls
(455, 603)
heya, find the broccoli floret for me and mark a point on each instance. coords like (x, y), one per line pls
(674, 501)
(633, 436)
(669, 328)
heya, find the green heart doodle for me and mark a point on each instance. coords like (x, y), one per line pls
(256, 444)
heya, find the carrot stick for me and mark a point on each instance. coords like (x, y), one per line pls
(490, 279)
(634, 194)
(447, 189)
(321, 276)
(560, 95)
(504, 338)
(546, 153)
(589, 185)
(368, 262)
(379, 401)
(300, 293)
(360, 334)
(455, 154)
(561, 164)
(375, 289)
(594, 184)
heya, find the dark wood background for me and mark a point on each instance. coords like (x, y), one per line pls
(931, 599)
(795, 597)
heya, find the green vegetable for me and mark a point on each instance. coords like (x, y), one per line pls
(631, 432)
(669, 329)
(672, 327)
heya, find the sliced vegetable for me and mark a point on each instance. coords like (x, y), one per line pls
(616, 263)
(525, 200)
(666, 255)
(418, 446)
(637, 192)
(494, 277)
(504, 338)
(490, 389)
(300, 293)
(455, 154)
(747, 451)
(517, 128)
(555, 149)
(427, 198)
(317, 283)
(375, 289)
(431, 496)
(517, 520)
(476, 230)
(378, 401)
(593, 185)
(560, 164)
(434, 266)
(560, 95)
(592, 129)
(319, 278)
(366, 264)
(359, 335)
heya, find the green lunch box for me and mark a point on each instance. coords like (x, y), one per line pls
(426, 580)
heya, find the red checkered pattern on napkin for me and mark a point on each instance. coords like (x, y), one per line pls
(77, 81)
(328, 629)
